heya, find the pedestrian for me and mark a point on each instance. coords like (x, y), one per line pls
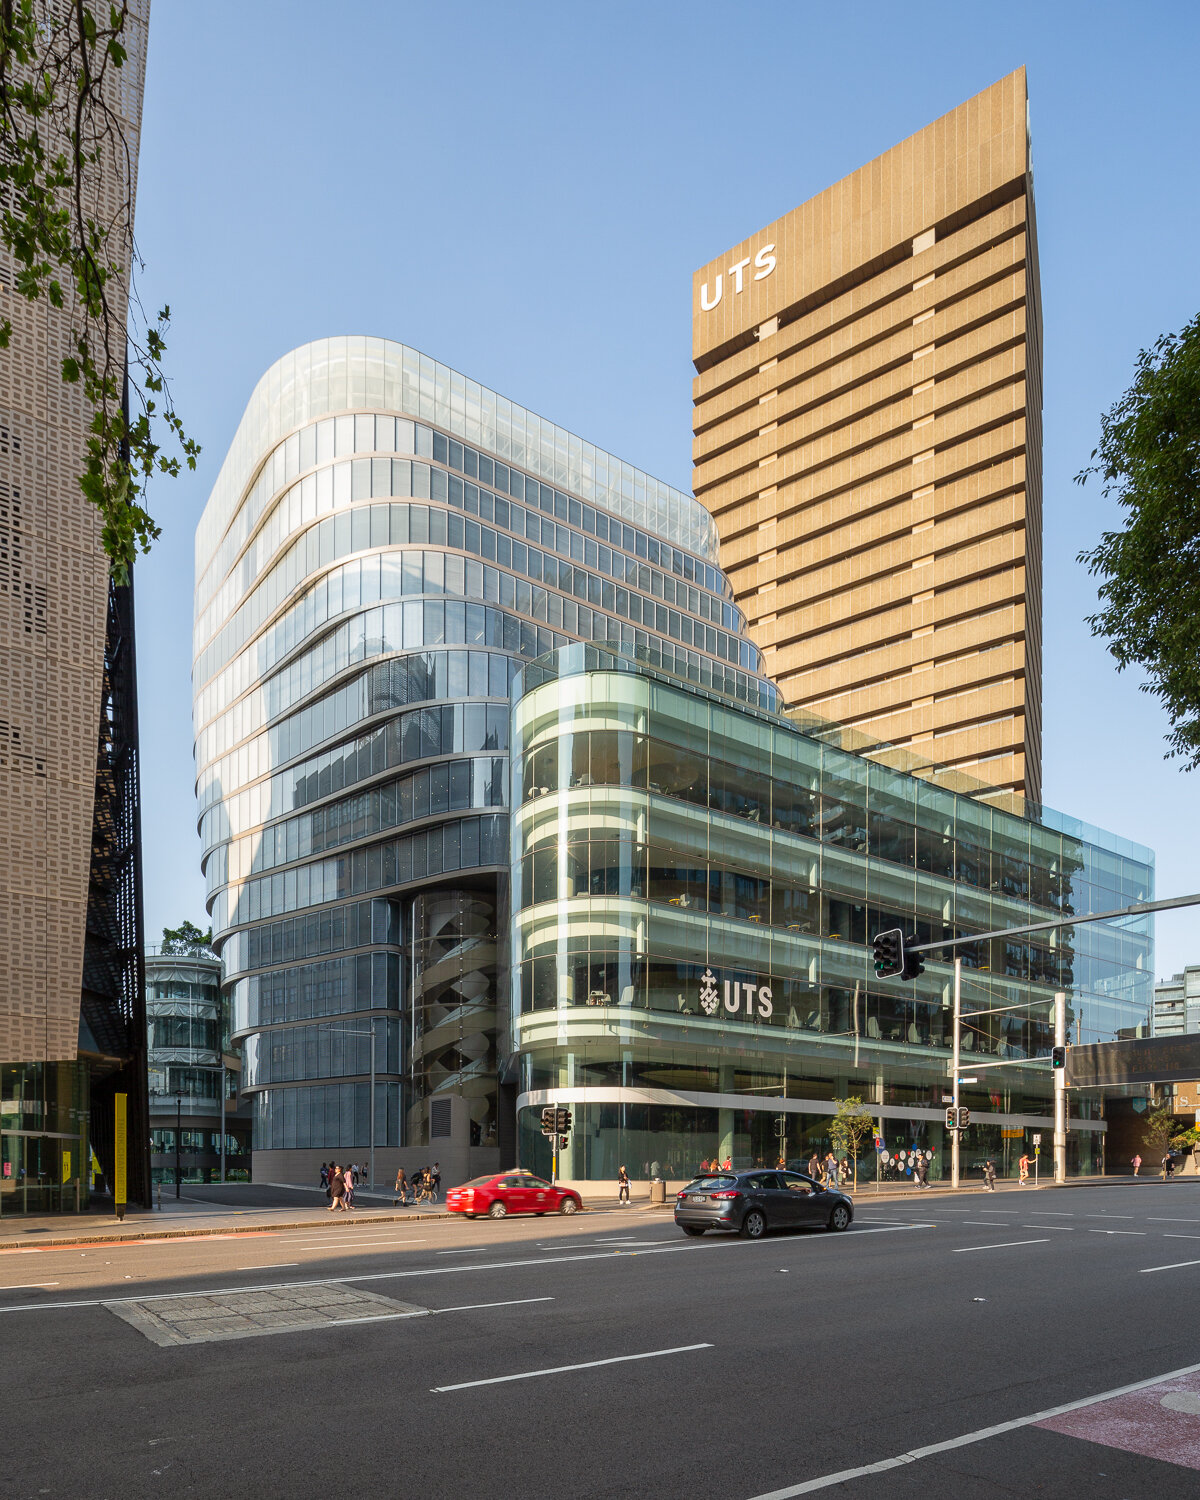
(923, 1170)
(814, 1167)
(337, 1189)
(435, 1180)
(1136, 1164)
(844, 1169)
(1023, 1166)
(727, 1164)
(401, 1189)
(1166, 1166)
(622, 1185)
(989, 1176)
(704, 1167)
(348, 1181)
(1170, 1165)
(325, 1178)
(831, 1171)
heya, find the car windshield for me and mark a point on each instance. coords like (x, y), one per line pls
(709, 1184)
(479, 1181)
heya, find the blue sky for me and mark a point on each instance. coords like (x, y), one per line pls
(523, 191)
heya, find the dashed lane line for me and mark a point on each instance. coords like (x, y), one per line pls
(591, 1364)
(1005, 1245)
(1178, 1265)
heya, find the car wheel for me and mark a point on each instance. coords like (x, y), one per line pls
(497, 1211)
(754, 1225)
(695, 1230)
(568, 1206)
(839, 1219)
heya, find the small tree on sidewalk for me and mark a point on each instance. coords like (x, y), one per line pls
(852, 1124)
(1160, 1126)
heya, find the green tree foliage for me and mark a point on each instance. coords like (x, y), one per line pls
(1158, 1128)
(187, 940)
(1149, 459)
(852, 1124)
(63, 147)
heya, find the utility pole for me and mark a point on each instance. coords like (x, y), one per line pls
(221, 1085)
(956, 1135)
(178, 1134)
(1060, 1092)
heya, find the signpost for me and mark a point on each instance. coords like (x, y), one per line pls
(119, 1142)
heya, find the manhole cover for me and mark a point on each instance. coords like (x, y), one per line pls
(176, 1319)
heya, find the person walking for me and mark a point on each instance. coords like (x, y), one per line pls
(337, 1189)
(814, 1167)
(1023, 1166)
(401, 1189)
(1136, 1164)
(1166, 1166)
(622, 1185)
(831, 1171)
(348, 1181)
(989, 1176)
(435, 1181)
(923, 1170)
(324, 1177)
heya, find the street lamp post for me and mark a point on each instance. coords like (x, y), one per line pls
(178, 1137)
(347, 1031)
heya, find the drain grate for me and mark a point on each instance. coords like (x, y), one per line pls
(172, 1320)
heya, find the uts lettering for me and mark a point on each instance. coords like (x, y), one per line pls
(764, 262)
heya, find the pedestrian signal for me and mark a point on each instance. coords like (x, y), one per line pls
(889, 953)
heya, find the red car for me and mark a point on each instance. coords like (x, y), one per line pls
(514, 1192)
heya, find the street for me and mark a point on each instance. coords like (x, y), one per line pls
(607, 1356)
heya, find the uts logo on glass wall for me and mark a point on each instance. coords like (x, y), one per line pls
(736, 997)
(764, 263)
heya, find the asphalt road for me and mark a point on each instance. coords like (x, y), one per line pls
(684, 1367)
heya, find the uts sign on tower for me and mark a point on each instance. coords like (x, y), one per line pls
(764, 261)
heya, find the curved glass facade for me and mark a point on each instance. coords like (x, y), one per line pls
(695, 885)
(386, 542)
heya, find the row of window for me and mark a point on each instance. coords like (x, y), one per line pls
(843, 818)
(185, 1031)
(333, 1117)
(355, 925)
(196, 1143)
(421, 677)
(347, 533)
(650, 872)
(451, 786)
(699, 993)
(342, 530)
(334, 986)
(296, 1053)
(467, 843)
(341, 437)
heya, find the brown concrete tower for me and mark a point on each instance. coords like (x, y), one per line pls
(868, 438)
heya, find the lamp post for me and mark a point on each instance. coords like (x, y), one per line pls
(178, 1136)
(348, 1031)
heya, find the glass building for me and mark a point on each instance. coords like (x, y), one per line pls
(695, 884)
(386, 542)
(191, 1065)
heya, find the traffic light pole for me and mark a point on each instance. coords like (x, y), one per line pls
(956, 1135)
(1060, 1092)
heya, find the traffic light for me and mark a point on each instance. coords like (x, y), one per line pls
(964, 1118)
(1058, 1057)
(958, 1119)
(563, 1142)
(889, 953)
(952, 1119)
(562, 1121)
(914, 964)
(549, 1115)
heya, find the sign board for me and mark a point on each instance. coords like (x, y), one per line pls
(1160, 1059)
(119, 1198)
(1010, 1133)
(735, 998)
(947, 1098)
(1037, 1137)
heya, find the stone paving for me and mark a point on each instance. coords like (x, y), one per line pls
(180, 1319)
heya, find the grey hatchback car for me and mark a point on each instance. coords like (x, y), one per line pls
(753, 1202)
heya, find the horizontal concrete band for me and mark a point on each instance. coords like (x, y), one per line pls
(536, 1098)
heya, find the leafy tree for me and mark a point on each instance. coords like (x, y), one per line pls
(852, 1124)
(1149, 459)
(66, 219)
(1158, 1128)
(187, 940)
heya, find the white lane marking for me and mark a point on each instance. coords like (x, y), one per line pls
(990, 1224)
(1181, 1236)
(614, 1239)
(492, 1265)
(480, 1250)
(1142, 1232)
(274, 1265)
(427, 1312)
(590, 1364)
(21, 1286)
(1178, 1266)
(1110, 1216)
(826, 1481)
(382, 1244)
(1162, 1219)
(1007, 1245)
(1051, 1213)
(1057, 1228)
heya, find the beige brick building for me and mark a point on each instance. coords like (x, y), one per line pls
(868, 439)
